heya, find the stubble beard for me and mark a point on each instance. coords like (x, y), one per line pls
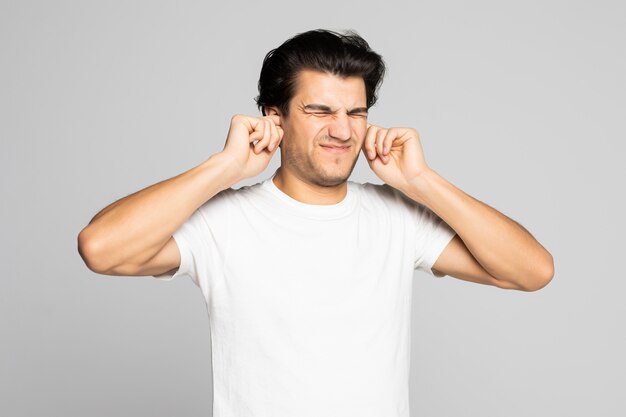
(331, 173)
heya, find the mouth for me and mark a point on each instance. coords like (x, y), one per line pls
(336, 149)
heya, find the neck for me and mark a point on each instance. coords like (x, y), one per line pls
(306, 192)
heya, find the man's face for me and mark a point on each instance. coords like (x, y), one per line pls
(326, 111)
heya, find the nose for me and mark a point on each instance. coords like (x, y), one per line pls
(339, 127)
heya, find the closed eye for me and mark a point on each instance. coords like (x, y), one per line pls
(329, 113)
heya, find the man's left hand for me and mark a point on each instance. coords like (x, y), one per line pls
(396, 157)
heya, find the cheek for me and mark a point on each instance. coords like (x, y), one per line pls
(361, 130)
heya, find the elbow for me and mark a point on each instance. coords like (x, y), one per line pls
(88, 249)
(539, 284)
(542, 280)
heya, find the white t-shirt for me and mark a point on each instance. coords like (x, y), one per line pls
(309, 305)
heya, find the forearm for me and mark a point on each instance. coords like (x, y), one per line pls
(137, 226)
(503, 247)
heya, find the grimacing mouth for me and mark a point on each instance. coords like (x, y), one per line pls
(335, 146)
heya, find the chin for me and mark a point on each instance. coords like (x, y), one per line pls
(328, 172)
(332, 177)
(329, 182)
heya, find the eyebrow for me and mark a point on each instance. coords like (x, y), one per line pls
(324, 107)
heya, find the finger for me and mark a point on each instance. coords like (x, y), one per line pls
(388, 141)
(368, 143)
(257, 126)
(255, 136)
(254, 123)
(380, 135)
(275, 137)
(261, 136)
(267, 133)
(274, 118)
(281, 134)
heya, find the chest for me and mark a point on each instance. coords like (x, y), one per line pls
(318, 268)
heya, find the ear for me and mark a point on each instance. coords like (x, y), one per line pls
(272, 110)
(269, 111)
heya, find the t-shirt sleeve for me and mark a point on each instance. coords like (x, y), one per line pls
(189, 235)
(432, 236)
(202, 241)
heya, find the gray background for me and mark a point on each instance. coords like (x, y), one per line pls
(519, 104)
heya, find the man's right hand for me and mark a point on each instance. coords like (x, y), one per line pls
(249, 157)
(108, 246)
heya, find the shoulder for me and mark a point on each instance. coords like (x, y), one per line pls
(374, 190)
(222, 196)
(220, 202)
(231, 193)
(233, 196)
(386, 194)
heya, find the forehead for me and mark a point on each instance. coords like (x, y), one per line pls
(324, 88)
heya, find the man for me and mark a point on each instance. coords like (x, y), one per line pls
(307, 276)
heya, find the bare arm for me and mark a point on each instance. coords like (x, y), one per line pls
(133, 236)
(124, 236)
(504, 249)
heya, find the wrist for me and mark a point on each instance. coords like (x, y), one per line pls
(417, 188)
(225, 167)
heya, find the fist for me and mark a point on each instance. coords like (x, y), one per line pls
(251, 143)
(395, 154)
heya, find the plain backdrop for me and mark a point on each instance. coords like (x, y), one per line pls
(518, 103)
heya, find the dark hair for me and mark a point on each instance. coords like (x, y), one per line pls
(322, 50)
